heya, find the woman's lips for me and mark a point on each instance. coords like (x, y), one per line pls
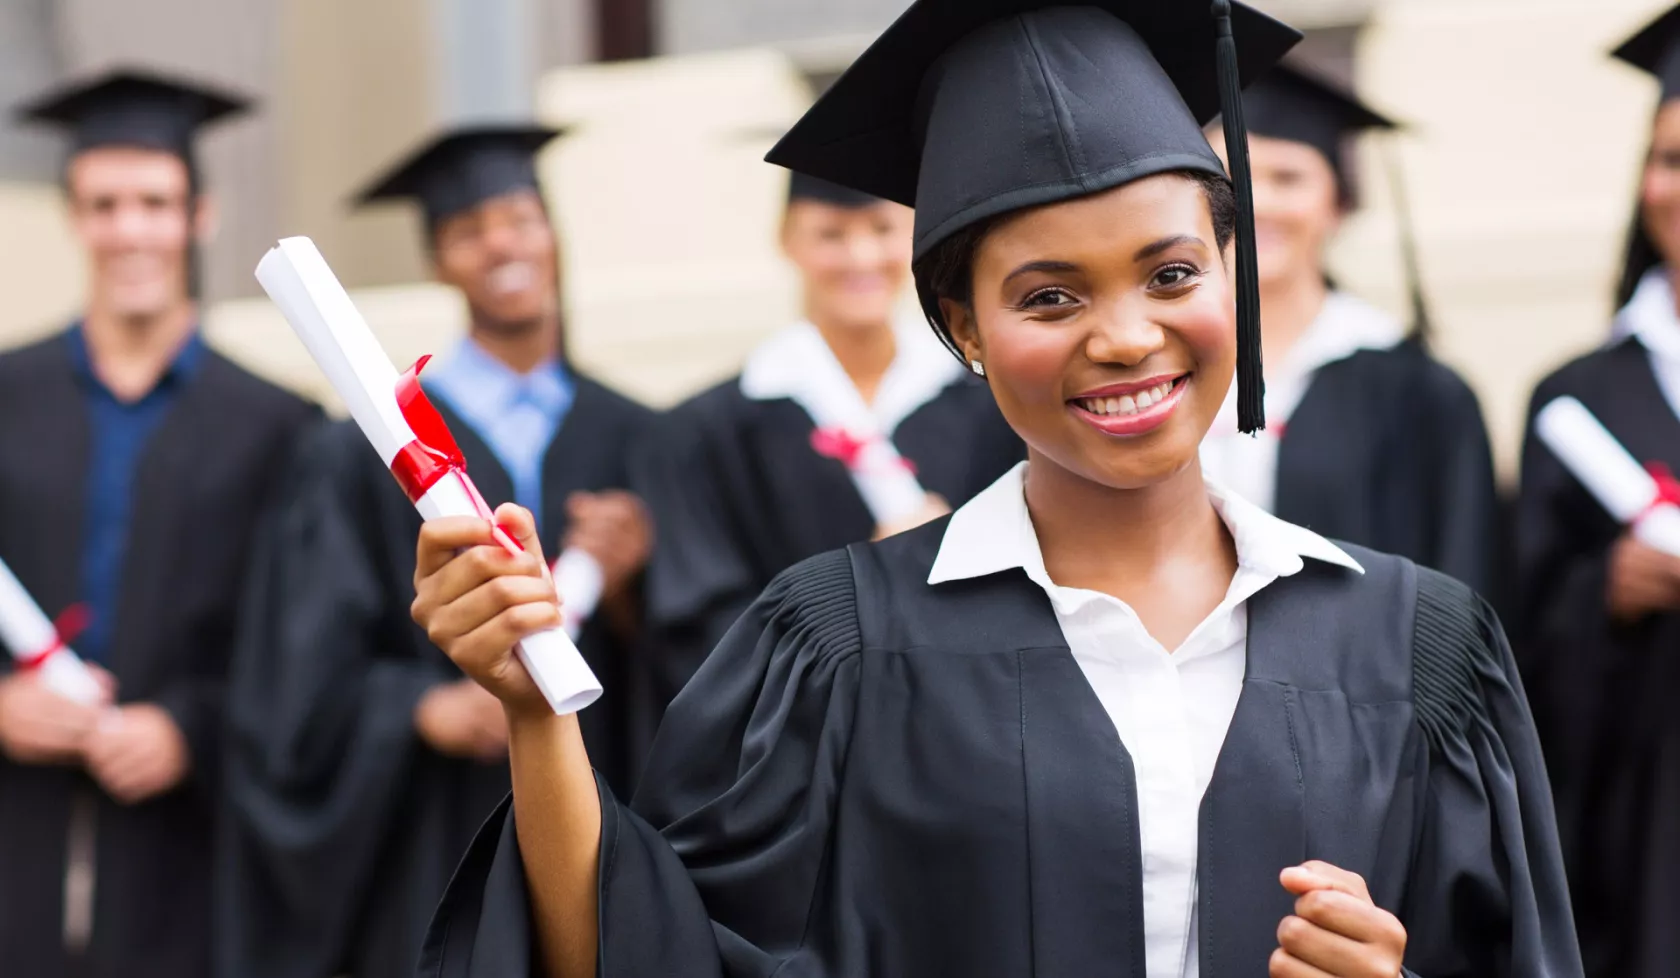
(1132, 413)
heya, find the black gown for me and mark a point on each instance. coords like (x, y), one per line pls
(1604, 693)
(198, 492)
(877, 777)
(346, 826)
(740, 495)
(1387, 450)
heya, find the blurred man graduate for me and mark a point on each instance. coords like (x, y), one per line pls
(363, 759)
(133, 466)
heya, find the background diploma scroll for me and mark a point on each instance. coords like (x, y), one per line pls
(884, 478)
(427, 463)
(1615, 478)
(35, 642)
(579, 579)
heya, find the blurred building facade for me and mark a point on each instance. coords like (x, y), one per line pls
(1521, 163)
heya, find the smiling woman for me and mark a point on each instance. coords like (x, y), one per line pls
(1106, 718)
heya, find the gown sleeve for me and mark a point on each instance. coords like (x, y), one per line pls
(1487, 895)
(1570, 648)
(321, 732)
(702, 575)
(717, 870)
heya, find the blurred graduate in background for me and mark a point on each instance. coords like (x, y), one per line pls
(752, 477)
(363, 761)
(1368, 439)
(1601, 610)
(133, 465)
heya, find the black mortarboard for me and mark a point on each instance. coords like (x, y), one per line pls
(803, 186)
(462, 168)
(1656, 49)
(1294, 103)
(130, 107)
(968, 109)
(1297, 105)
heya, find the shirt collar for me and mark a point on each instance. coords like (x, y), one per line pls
(994, 533)
(796, 363)
(479, 385)
(1651, 316)
(181, 369)
(1343, 327)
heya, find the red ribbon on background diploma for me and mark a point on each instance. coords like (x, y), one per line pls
(71, 622)
(433, 455)
(1668, 488)
(847, 448)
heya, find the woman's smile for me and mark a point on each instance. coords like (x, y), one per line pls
(1131, 409)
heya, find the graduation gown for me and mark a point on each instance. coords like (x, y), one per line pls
(740, 494)
(346, 825)
(198, 490)
(874, 776)
(1603, 692)
(1386, 448)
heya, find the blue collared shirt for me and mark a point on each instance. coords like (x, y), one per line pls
(119, 432)
(516, 414)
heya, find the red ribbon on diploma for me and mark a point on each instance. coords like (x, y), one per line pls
(433, 455)
(71, 622)
(847, 448)
(1668, 489)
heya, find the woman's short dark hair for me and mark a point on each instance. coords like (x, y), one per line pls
(947, 272)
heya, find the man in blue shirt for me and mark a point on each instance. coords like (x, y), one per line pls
(133, 461)
(393, 758)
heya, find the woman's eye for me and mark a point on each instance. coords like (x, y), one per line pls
(1047, 299)
(1172, 275)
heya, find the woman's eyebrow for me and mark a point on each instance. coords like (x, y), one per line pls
(1040, 266)
(1154, 248)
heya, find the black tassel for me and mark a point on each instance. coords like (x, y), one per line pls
(1251, 378)
(1408, 245)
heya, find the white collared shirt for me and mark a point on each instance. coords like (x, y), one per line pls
(796, 363)
(1651, 316)
(1248, 464)
(1170, 709)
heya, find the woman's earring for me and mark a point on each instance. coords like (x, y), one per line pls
(978, 368)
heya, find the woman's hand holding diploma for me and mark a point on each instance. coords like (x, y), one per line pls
(1336, 930)
(476, 601)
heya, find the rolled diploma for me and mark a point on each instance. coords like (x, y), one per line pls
(888, 486)
(26, 630)
(297, 278)
(1614, 477)
(580, 581)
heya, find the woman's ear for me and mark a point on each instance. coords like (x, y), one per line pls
(965, 333)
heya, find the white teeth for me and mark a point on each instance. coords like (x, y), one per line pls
(512, 277)
(1128, 403)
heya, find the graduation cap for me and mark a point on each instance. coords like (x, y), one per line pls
(461, 168)
(1655, 49)
(1296, 104)
(969, 109)
(130, 107)
(803, 186)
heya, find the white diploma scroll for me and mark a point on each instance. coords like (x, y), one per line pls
(29, 634)
(307, 293)
(579, 579)
(888, 484)
(1614, 477)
